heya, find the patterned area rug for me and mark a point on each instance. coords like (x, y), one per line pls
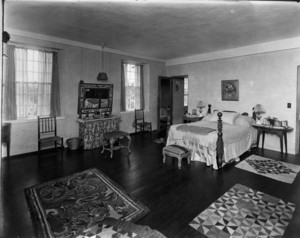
(244, 212)
(270, 168)
(67, 206)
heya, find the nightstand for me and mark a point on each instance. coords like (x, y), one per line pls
(191, 118)
(280, 131)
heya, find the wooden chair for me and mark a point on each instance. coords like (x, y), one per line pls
(5, 136)
(47, 132)
(140, 123)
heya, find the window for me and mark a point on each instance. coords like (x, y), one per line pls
(33, 82)
(133, 95)
(186, 91)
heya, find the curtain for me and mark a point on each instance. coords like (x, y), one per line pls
(123, 89)
(9, 93)
(44, 87)
(142, 103)
(55, 96)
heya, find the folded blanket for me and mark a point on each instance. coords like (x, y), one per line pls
(195, 129)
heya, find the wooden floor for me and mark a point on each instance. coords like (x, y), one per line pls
(174, 197)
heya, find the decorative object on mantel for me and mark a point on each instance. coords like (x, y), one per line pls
(258, 109)
(102, 76)
(230, 90)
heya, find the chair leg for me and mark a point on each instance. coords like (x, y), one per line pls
(39, 148)
(62, 144)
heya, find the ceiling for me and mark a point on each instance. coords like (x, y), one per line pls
(161, 30)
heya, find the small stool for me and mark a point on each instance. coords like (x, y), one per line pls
(112, 137)
(177, 151)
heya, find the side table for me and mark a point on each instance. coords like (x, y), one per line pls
(112, 137)
(280, 131)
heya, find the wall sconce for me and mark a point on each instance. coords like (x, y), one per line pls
(258, 109)
(200, 106)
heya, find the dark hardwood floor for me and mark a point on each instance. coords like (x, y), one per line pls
(174, 197)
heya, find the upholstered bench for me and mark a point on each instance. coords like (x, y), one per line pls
(176, 151)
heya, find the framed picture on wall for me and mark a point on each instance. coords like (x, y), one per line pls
(230, 90)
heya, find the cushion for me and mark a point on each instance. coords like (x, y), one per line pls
(214, 116)
(207, 117)
(244, 121)
(176, 149)
(230, 117)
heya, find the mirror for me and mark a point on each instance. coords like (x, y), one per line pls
(94, 100)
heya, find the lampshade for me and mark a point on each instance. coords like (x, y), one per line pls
(259, 109)
(200, 104)
(102, 76)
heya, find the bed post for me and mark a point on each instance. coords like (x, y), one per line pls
(209, 109)
(220, 143)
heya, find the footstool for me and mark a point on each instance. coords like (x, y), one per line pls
(112, 137)
(176, 151)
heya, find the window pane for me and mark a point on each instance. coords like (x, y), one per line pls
(132, 86)
(33, 87)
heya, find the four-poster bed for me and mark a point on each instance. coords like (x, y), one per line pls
(218, 139)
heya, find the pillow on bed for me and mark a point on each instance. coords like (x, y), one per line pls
(244, 121)
(230, 117)
(207, 117)
(214, 116)
(227, 117)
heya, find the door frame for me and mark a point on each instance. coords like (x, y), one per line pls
(160, 78)
(297, 132)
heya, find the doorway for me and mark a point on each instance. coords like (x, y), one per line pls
(170, 108)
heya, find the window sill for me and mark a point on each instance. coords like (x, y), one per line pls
(130, 112)
(28, 120)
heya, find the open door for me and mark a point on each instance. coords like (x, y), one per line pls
(170, 102)
(177, 100)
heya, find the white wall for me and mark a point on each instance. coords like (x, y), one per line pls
(81, 63)
(267, 78)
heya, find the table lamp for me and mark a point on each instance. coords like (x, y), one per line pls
(258, 109)
(200, 106)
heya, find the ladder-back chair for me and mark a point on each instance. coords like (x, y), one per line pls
(140, 123)
(47, 132)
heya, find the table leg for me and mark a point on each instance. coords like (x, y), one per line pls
(111, 142)
(129, 142)
(281, 143)
(263, 140)
(258, 137)
(285, 141)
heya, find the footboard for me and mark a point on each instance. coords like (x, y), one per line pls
(220, 143)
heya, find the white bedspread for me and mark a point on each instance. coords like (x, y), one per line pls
(237, 140)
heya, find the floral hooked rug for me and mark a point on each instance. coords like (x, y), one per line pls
(67, 206)
(244, 212)
(281, 171)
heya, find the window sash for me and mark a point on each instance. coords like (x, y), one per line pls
(33, 82)
(132, 87)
